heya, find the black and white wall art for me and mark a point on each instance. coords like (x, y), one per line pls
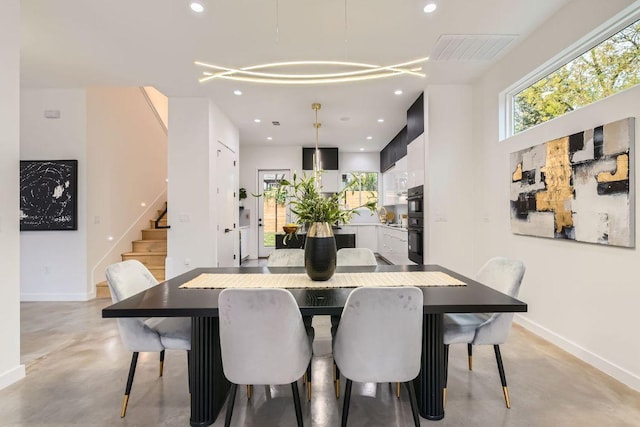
(48, 195)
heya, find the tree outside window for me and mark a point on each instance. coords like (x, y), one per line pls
(367, 188)
(608, 68)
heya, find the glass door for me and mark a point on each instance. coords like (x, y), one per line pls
(272, 211)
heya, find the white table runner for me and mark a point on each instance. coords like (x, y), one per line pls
(339, 280)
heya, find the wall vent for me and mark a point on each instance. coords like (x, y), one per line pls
(465, 47)
(275, 123)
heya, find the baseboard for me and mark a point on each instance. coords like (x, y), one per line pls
(609, 368)
(11, 376)
(29, 297)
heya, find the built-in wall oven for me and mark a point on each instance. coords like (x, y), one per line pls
(415, 225)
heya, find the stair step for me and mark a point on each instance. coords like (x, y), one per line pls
(102, 290)
(162, 223)
(149, 245)
(158, 272)
(154, 234)
(155, 259)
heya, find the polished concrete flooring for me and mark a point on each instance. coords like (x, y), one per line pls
(77, 368)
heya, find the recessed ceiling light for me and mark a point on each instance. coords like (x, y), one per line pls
(196, 6)
(362, 149)
(269, 138)
(369, 137)
(398, 92)
(380, 120)
(345, 119)
(256, 120)
(430, 7)
(237, 92)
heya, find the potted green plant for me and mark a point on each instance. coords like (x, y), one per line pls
(319, 212)
(242, 194)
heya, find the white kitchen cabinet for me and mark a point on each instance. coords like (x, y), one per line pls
(367, 237)
(393, 245)
(415, 162)
(395, 184)
(330, 181)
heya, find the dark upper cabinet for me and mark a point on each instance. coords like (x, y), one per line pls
(394, 151)
(415, 119)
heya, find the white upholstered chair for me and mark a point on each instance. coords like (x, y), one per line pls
(356, 256)
(351, 257)
(263, 341)
(286, 258)
(380, 339)
(504, 275)
(153, 334)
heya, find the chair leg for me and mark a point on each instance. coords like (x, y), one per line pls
(398, 390)
(230, 403)
(414, 403)
(345, 405)
(445, 374)
(470, 355)
(127, 390)
(503, 378)
(296, 402)
(336, 379)
(161, 362)
(189, 370)
(249, 391)
(308, 376)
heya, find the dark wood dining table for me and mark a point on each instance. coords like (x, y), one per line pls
(209, 387)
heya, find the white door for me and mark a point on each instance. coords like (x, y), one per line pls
(272, 213)
(226, 206)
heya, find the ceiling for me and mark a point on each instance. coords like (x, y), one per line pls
(82, 43)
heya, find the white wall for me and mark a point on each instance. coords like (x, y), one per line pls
(449, 161)
(582, 297)
(10, 368)
(127, 155)
(54, 263)
(195, 127)
(362, 162)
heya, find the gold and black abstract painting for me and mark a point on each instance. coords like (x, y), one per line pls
(579, 187)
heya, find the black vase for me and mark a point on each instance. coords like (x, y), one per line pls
(320, 252)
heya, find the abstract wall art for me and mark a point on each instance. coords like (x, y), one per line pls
(579, 187)
(48, 195)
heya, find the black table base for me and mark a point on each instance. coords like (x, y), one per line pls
(209, 387)
(430, 382)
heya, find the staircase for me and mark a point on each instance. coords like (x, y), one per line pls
(151, 250)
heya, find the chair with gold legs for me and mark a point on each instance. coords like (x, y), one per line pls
(484, 328)
(154, 334)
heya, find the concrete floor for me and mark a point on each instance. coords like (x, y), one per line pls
(77, 368)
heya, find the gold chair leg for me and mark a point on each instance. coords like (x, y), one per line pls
(249, 391)
(444, 397)
(398, 390)
(505, 390)
(125, 402)
(309, 391)
(471, 363)
(161, 362)
(337, 382)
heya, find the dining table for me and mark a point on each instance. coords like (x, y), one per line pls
(209, 387)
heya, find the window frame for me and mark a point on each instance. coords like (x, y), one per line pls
(378, 176)
(607, 29)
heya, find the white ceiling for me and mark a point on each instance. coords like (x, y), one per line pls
(81, 43)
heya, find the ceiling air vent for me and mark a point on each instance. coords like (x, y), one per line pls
(275, 123)
(465, 47)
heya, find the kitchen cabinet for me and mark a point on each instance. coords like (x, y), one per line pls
(415, 119)
(330, 181)
(415, 162)
(394, 151)
(393, 245)
(395, 184)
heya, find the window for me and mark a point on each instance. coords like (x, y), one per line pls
(367, 188)
(611, 66)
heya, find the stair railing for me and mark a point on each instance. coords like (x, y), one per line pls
(162, 215)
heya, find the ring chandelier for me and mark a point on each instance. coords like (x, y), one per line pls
(361, 72)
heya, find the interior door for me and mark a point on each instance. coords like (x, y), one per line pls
(226, 206)
(272, 213)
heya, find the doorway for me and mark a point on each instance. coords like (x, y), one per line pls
(227, 207)
(272, 211)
